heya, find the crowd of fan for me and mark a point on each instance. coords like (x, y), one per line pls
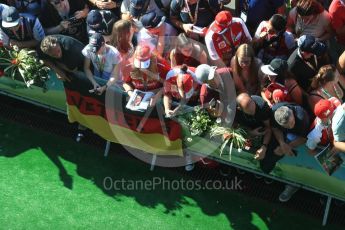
(285, 59)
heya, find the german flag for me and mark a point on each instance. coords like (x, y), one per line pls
(151, 132)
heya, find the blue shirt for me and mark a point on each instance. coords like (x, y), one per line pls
(338, 124)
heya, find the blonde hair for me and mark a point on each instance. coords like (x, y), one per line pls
(47, 43)
(246, 50)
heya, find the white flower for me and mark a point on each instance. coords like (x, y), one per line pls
(189, 139)
(28, 83)
(196, 108)
(15, 48)
(219, 120)
(239, 150)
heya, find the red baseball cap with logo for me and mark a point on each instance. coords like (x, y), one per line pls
(222, 21)
(279, 95)
(142, 57)
(325, 108)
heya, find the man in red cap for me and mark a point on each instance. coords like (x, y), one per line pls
(332, 114)
(225, 34)
(145, 71)
(321, 128)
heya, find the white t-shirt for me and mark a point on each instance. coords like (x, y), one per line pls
(314, 137)
(144, 36)
(105, 61)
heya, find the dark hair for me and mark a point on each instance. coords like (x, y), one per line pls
(278, 22)
(308, 7)
(184, 68)
(326, 74)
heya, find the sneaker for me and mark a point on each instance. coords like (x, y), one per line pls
(189, 167)
(287, 193)
(189, 163)
(79, 137)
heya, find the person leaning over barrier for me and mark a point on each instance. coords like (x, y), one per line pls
(321, 133)
(217, 85)
(62, 54)
(254, 114)
(180, 87)
(290, 126)
(104, 59)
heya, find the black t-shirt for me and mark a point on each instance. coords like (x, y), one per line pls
(71, 53)
(206, 12)
(51, 18)
(262, 113)
(302, 71)
(302, 122)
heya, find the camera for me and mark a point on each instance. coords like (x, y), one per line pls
(73, 20)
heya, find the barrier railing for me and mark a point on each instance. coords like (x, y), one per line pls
(90, 110)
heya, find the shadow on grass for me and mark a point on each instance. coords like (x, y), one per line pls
(17, 139)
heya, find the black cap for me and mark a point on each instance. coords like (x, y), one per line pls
(307, 43)
(276, 67)
(94, 20)
(278, 22)
(96, 42)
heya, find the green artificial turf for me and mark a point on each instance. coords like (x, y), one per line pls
(50, 182)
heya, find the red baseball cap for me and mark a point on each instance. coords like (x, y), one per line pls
(142, 57)
(279, 95)
(222, 21)
(324, 109)
(271, 88)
